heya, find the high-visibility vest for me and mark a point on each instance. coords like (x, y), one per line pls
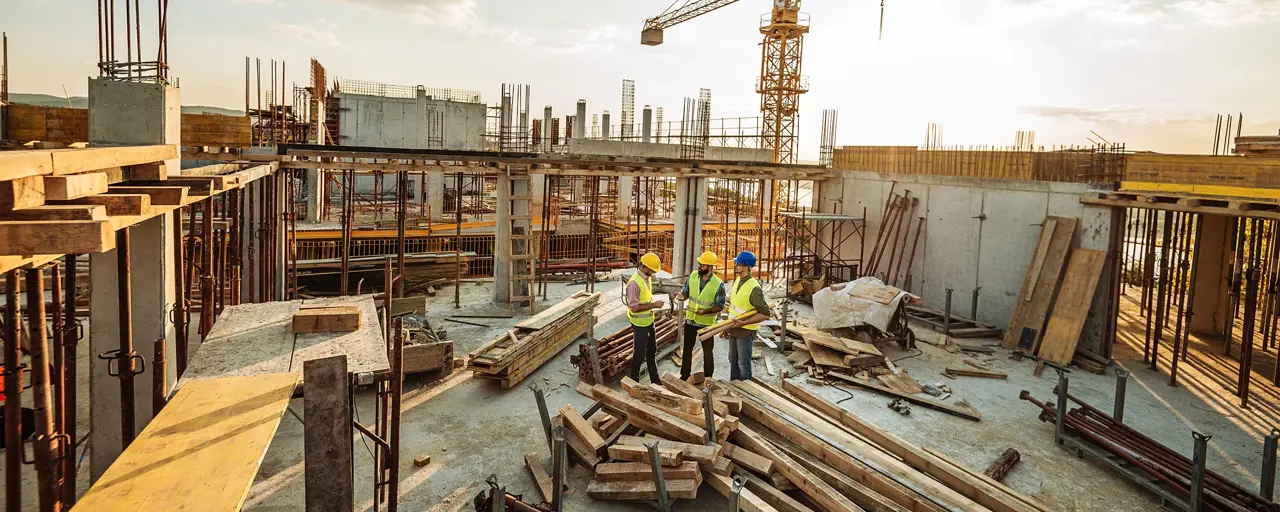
(702, 298)
(740, 302)
(643, 318)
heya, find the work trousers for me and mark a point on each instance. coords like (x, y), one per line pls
(686, 358)
(644, 350)
(740, 356)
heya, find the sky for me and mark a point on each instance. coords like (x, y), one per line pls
(1153, 74)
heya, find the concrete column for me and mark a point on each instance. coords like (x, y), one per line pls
(505, 227)
(1213, 257)
(435, 193)
(580, 121)
(604, 125)
(130, 114)
(547, 117)
(626, 187)
(691, 204)
(316, 192)
(646, 125)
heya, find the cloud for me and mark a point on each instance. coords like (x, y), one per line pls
(322, 31)
(1174, 13)
(462, 16)
(1108, 114)
(1228, 13)
(593, 38)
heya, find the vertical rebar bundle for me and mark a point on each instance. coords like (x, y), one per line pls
(628, 110)
(830, 121)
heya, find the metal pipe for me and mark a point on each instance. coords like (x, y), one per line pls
(946, 315)
(541, 399)
(13, 397)
(1059, 425)
(181, 316)
(70, 340)
(735, 492)
(973, 306)
(397, 392)
(659, 482)
(206, 268)
(558, 462)
(1199, 454)
(1122, 379)
(1267, 487)
(159, 378)
(47, 437)
(59, 365)
(125, 354)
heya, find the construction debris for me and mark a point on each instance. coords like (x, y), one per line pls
(1003, 464)
(614, 351)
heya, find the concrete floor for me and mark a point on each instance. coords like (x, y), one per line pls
(471, 428)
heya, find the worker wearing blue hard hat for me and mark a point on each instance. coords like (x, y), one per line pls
(747, 308)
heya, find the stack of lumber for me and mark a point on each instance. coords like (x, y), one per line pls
(1056, 296)
(1258, 145)
(615, 350)
(839, 462)
(512, 356)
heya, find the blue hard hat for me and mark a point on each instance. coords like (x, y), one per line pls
(747, 258)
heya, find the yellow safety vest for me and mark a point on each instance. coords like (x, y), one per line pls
(740, 302)
(644, 318)
(701, 298)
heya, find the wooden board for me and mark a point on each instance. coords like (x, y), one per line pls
(326, 319)
(580, 428)
(205, 447)
(666, 456)
(19, 164)
(428, 357)
(540, 476)
(328, 455)
(58, 212)
(650, 418)
(641, 490)
(817, 490)
(632, 471)
(954, 410)
(825, 356)
(974, 372)
(117, 204)
(816, 337)
(693, 452)
(1031, 309)
(164, 196)
(1072, 306)
(661, 397)
(576, 448)
(64, 188)
(546, 317)
(748, 459)
(748, 501)
(864, 496)
(991, 484)
(901, 382)
(76, 161)
(774, 496)
(26, 238)
(21, 193)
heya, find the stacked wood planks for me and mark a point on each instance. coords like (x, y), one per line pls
(511, 357)
(1263, 145)
(842, 463)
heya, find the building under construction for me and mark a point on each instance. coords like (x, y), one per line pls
(367, 296)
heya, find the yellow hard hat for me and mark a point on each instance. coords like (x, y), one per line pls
(651, 260)
(708, 258)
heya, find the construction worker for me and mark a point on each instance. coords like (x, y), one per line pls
(747, 308)
(640, 310)
(703, 294)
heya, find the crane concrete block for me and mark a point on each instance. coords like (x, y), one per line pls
(651, 36)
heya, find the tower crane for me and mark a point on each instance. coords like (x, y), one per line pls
(780, 83)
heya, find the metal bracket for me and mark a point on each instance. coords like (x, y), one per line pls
(735, 492)
(709, 414)
(1199, 455)
(541, 398)
(120, 357)
(1122, 379)
(656, 461)
(1267, 486)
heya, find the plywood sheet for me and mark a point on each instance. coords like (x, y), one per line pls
(825, 356)
(204, 448)
(1072, 307)
(1032, 307)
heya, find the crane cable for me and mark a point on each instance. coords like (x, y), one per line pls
(881, 20)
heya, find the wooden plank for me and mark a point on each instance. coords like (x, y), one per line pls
(966, 413)
(164, 196)
(775, 497)
(1032, 309)
(21, 193)
(748, 501)
(553, 313)
(825, 356)
(817, 490)
(575, 446)
(27, 238)
(666, 457)
(540, 476)
(641, 490)
(1037, 262)
(1072, 306)
(650, 418)
(582, 429)
(864, 496)
(663, 398)
(196, 186)
(327, 319)
(973, 372)
(58, 212)
(20, 164)
(64, 188)
(693, 452)
(748, 459)
(75, 161)
(204, 447)
(901, 382)
(327, 431)
(848, 346)
(153, 172)
(429, 357)
(633, 471)
(409, 305)
(913, 455)
(117, 204)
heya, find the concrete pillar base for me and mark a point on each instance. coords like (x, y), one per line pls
(691, 204)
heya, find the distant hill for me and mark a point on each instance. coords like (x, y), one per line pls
(47, 100)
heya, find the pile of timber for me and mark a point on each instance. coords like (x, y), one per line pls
(859, 364)
(1055, 299)
(421, 269)
(839, 462)
(1258, 145)
(511, 357)
(614, 351)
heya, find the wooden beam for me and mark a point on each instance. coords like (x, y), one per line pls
(864, 496)
(26, 238)
(117, 204)
(649, 418)
(327, 432)
(58, 212)
(748, 459)
(74, 186)
(968, 414)
(694, 452)
(75, 161)
(21, 193)
(540, 476)
(162, 196)
(327, 319)
(817, 490)
(582, 429)
(20, 164)
(666, 456)
(973, 372)
(771, 495)
(641, 490)
(747, 501)
(632, 471)
(155, 171)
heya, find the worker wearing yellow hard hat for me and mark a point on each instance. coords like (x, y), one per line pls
(703, 294)
(747, 308)
(640, 310)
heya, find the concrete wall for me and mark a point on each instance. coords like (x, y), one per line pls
(960, 250)
(377, 121)
(640, 149)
